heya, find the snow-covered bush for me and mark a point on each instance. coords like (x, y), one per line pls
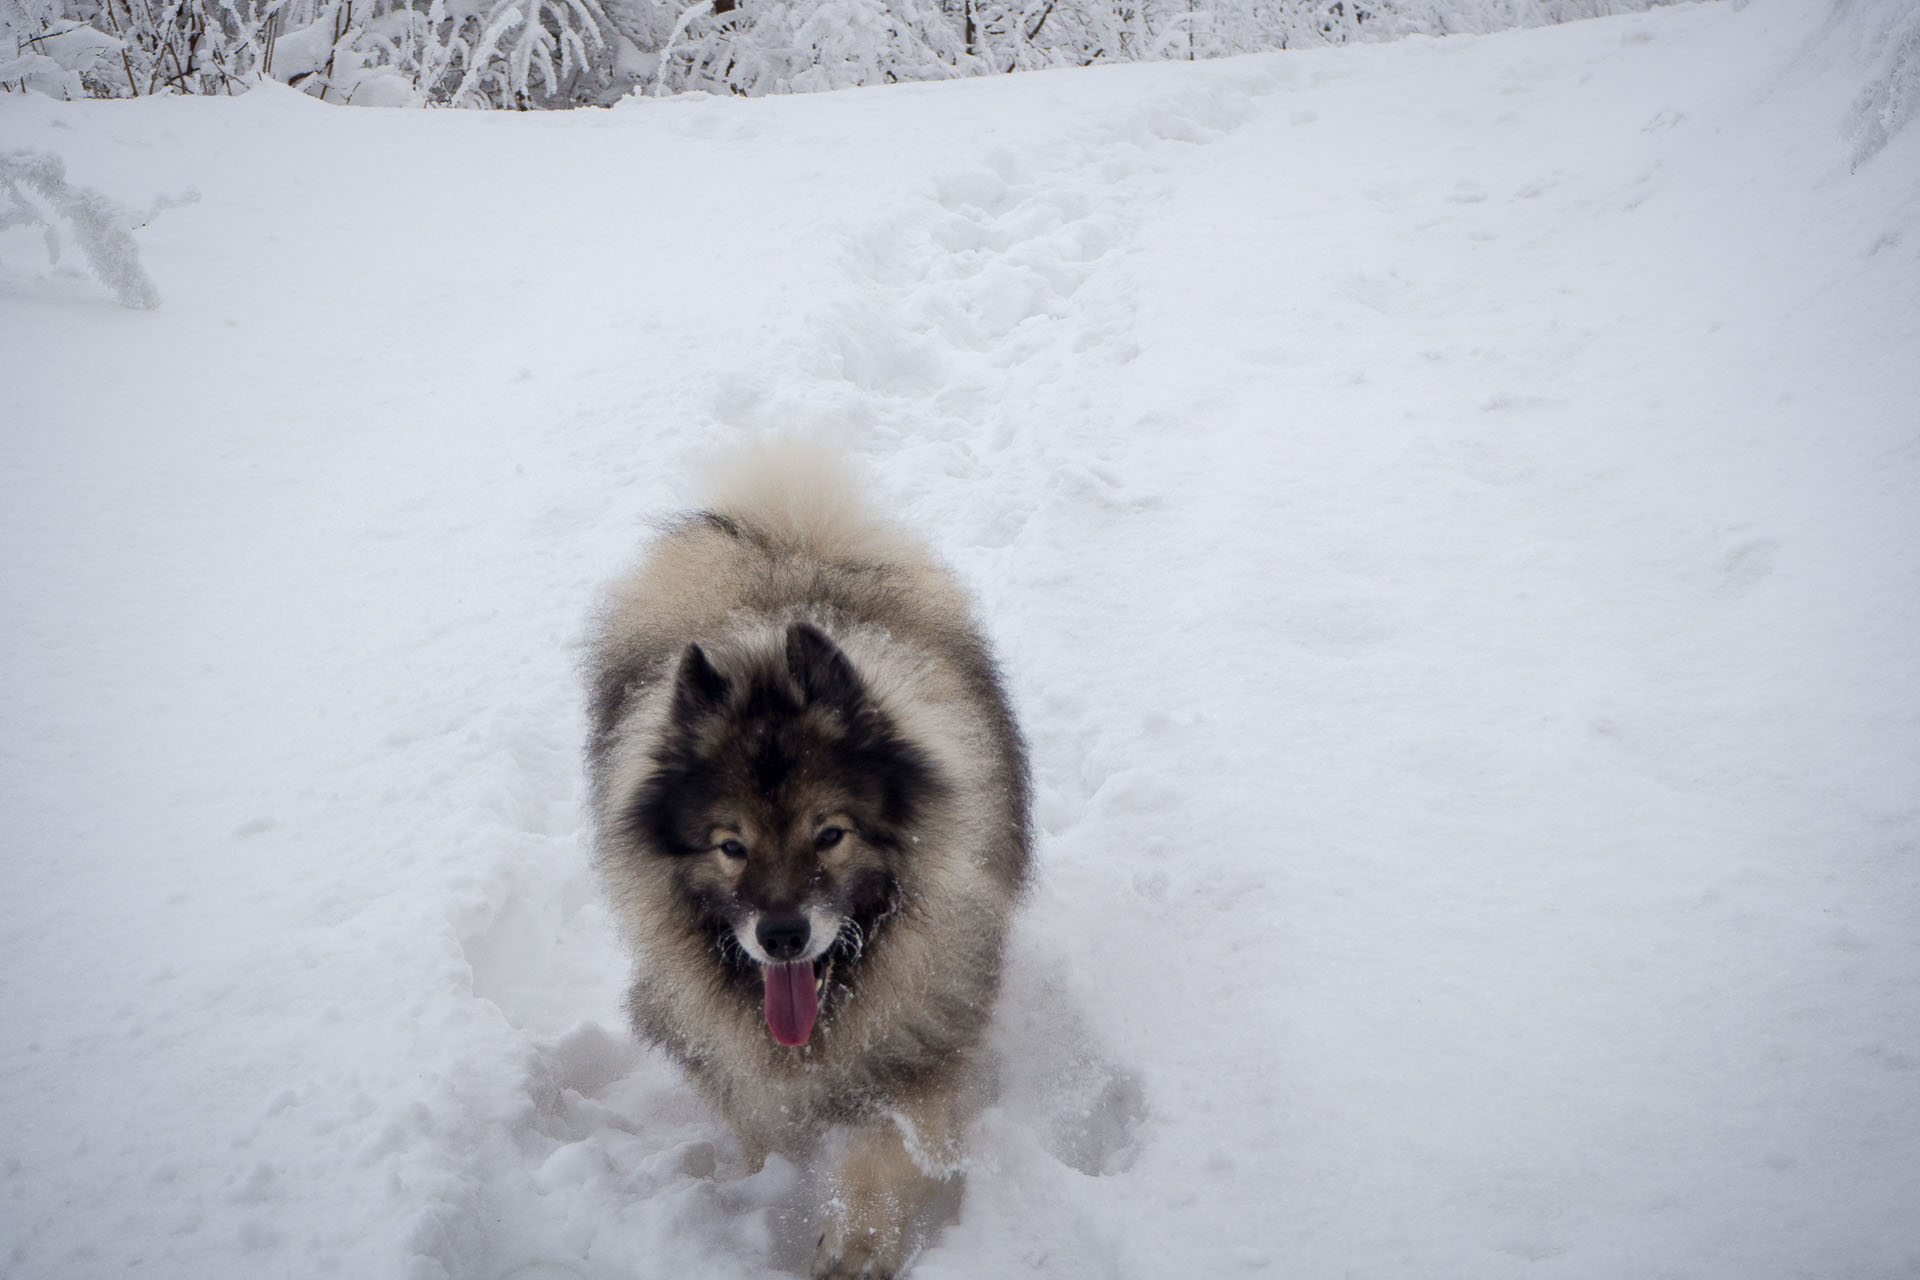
(37, 194)
(1024, 35)
(786, 46)
(547, 53)
(499, 53)
(55, 48)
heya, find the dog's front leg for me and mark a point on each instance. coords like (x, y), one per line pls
(893, 1169)
(753, 1152)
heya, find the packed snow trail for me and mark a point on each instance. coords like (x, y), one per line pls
(1445, 511)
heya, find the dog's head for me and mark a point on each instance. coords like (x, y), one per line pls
(787, 801)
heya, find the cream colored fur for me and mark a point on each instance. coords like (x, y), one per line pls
(789, 538)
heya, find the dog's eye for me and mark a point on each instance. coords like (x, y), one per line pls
(733, 848)
(827, 837)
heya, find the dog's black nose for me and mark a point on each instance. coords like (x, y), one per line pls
(783, 937)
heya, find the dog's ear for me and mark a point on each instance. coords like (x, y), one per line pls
(821, 670)
(698, 689)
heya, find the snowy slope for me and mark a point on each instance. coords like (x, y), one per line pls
(1447, 511)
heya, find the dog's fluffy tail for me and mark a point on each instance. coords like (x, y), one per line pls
(801, 495)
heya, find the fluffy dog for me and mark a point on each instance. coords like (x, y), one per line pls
(811, 810)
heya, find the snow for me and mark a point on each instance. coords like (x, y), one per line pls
(1446, 510)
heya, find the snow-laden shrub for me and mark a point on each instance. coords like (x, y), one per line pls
(37, 194)
(127, 48)
(1026, 35)
(756, 47)
(547, 53)
(478, 53)
(45, 48)
(502, 53)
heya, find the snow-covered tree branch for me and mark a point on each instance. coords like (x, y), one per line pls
(37, 194)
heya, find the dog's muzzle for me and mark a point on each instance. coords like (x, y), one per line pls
(793, 951)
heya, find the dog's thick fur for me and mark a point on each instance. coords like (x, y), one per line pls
(801, 747)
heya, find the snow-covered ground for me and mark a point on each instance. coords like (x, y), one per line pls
(1450, 512)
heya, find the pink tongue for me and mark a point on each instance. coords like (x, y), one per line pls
(792, 1004)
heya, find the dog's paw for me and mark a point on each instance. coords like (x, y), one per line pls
(857, 1255)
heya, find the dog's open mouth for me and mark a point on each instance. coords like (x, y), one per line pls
(793, 997)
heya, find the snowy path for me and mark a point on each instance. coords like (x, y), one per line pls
(1445, 509)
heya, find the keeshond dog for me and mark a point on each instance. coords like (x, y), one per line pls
(811, 811)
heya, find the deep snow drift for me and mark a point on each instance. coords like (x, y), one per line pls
(1448, 514)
